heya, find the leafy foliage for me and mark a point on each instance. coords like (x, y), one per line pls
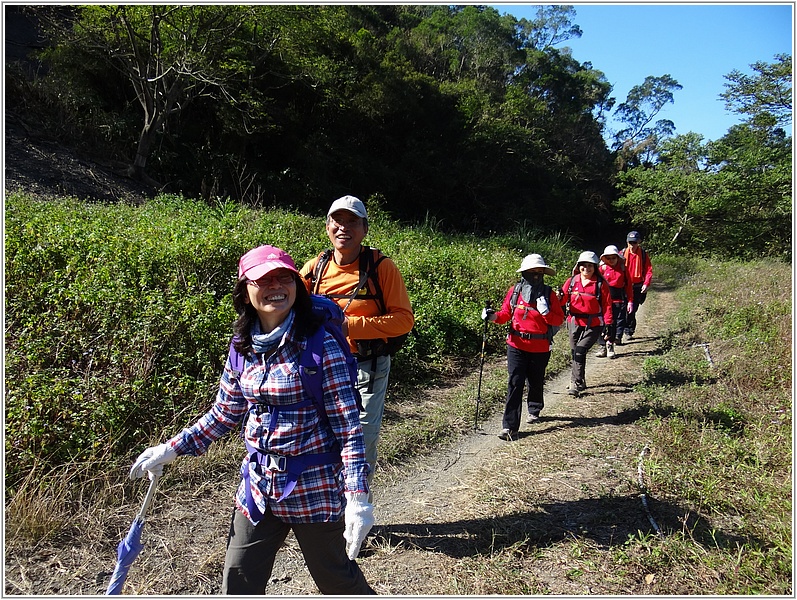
(732, 197)
(441, 109)
(119, 317)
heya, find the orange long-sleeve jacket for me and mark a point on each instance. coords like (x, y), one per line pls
(363, 317)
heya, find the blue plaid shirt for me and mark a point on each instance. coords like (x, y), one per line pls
(318, 495)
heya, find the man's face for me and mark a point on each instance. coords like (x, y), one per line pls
(346, 230)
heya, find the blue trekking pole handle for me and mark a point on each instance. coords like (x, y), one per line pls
(487, 305)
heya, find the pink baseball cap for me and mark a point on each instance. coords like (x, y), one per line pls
(262, 260)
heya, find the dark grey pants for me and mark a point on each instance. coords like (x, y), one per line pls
(251, 552)
(581, 340)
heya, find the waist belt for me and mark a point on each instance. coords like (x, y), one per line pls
(528, 336)
(294, 466)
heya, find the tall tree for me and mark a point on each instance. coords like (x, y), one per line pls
(731, 196)
(766, 91)
(170, 55)
(552, 25)
(638, 140)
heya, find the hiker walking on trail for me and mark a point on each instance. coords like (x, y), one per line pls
(640, 270)
(612, 268)
(588, 305)
(533, 312)
(305, 468)
(370, 289)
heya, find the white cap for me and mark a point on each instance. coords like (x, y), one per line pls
(351, 204)
(535, 261)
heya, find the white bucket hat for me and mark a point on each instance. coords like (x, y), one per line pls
(535, 261)
(610, 251)
(588, 256)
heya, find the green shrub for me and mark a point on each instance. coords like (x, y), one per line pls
(119, 317)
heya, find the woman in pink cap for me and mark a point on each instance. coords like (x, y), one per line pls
(284, 429)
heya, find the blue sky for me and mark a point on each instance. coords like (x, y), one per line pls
(697, 44)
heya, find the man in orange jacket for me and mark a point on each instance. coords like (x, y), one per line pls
(375, 311)
(639, 268)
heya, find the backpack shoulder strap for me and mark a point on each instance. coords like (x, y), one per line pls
(515, 294)
(236, 359)
(320, 266)
(369, 261)
(310, 370)
(311, 359)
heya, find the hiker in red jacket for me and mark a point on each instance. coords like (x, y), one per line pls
(589, 308)
(612, 267)
(640, 270)
(532, 310)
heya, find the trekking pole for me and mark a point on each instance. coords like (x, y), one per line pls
(487, 306)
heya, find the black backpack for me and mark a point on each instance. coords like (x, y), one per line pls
(368, 262)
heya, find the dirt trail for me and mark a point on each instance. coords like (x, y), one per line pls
(437, 513)
(437, 490)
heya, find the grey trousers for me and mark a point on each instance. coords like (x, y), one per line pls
(251, 552)
(373, 389)
(581, 340)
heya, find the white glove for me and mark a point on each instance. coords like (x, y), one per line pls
(359, 519)
(542, 305)
(487, 314)
(152, 461)
(644, 289)
(630, 307)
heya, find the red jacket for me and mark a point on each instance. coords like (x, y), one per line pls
(585, 308)
(637, 265)
(526, 320)
(618, 278)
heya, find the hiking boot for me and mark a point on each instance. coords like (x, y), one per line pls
(610, 350)
(532, 419)
(508, 435)
(572, 391)
(629, 335)
(601, 353)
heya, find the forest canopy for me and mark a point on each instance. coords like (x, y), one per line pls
(459, 115)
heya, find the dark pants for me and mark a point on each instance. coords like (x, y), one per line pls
(525, 368)
(251, 552)
(619, 312)
(581, 340)
(639, 300)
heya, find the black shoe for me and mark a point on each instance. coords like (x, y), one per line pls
(508, 435)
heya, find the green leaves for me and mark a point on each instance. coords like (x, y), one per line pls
(118, 317)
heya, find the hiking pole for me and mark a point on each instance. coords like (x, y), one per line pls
(487, 306)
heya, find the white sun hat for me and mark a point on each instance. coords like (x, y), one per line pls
(535, 261)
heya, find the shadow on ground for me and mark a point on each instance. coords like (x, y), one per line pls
(609, 522)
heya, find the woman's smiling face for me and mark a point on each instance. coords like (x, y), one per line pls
(272, 296)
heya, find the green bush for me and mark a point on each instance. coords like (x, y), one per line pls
(118, 317)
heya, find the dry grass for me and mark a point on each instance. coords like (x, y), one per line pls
(558, 512)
